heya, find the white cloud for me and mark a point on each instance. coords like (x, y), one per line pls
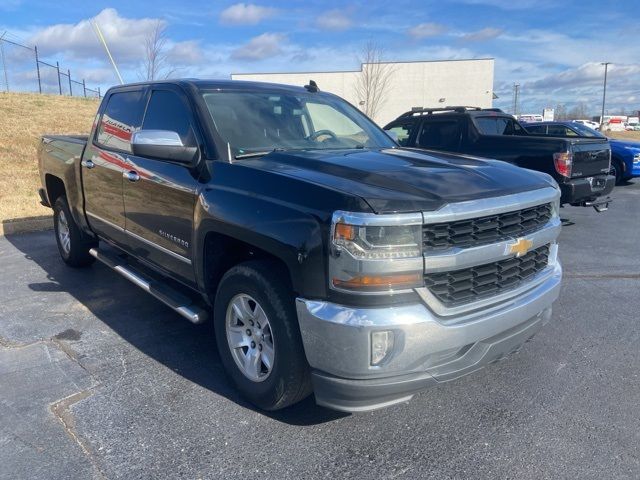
(424, 30)
(333, 20)
(125, 37)
(513, 4)
(260, 47)
(185, 53)
(95, 75)
(550, 46)
(588, 75)
(481, 35)
(568, 86)
(245, 14)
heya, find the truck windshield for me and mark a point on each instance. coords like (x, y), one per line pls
(263, 121)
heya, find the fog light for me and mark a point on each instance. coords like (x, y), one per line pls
(381, 346)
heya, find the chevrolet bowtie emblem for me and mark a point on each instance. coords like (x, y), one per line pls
(521, 247)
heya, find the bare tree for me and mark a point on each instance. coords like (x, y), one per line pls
(580, 110)
(560, 112)
(374, 80)
(155, 64)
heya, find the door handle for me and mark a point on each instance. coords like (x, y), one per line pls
(132, 176)
(87, 164)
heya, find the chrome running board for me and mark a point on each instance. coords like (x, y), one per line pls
(163, 292)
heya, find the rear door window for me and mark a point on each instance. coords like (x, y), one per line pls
(557, 130)
(440, 135)
(168, 111)
(498, 126)
(536, 129)
(122, 116)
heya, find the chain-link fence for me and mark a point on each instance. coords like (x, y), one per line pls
(22, 70)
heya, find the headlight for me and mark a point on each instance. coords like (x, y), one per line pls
(376, 253)
(371, 242)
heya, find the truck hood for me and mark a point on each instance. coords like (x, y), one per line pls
(631, 144)
(396, 180)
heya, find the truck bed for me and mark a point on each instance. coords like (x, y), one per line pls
(59, 157)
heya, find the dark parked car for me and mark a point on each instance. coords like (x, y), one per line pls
(625, 154)
(580, 166)
(327, 258)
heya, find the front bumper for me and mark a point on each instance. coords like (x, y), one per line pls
(580, 190)
(428, 348)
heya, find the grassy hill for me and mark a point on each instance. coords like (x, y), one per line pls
(635, 136)
(24, 117)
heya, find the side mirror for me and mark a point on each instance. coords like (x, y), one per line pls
(393, 135)
(162, 145)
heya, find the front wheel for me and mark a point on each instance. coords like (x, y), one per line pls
(258, 336)
(73, 245)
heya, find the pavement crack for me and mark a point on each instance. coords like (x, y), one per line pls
(605, 276)
(6, 343)
(71, 354)
(54, 342)
(62, 411)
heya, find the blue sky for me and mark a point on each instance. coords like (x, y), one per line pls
(553, 49)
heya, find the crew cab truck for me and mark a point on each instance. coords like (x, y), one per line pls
(327, 258)
(580, 166)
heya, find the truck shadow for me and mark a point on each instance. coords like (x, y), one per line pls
(146, 324)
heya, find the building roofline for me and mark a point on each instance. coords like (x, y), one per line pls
(357, 71)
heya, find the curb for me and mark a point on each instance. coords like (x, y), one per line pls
(26, 225)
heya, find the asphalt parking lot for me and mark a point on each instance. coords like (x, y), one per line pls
(99, 380)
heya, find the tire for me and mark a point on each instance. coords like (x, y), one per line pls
(259, 291)
(616, 170)
(73, 245)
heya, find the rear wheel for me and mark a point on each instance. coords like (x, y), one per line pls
(616, 170)
(73, 245)
(258, 336)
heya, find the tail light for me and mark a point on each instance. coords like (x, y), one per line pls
(563, 162)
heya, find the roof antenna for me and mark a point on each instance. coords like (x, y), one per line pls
(312, 87)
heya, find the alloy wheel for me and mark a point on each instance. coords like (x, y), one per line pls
(63, 232)
(250, 337)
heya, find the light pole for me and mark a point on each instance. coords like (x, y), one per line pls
(604, 92)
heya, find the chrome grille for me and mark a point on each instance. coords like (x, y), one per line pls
(484, 230)
(458, 287)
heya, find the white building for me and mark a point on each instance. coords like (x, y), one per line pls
(413, 84)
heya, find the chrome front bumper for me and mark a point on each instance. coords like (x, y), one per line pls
(428, 348)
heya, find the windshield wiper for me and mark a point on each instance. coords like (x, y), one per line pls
(257, 154)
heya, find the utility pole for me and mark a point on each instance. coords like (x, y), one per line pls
(516, 87)
(604, 92)
(35, 49)
(4, 62)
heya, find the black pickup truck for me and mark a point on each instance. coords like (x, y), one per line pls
(580, 166)
(327, 258)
